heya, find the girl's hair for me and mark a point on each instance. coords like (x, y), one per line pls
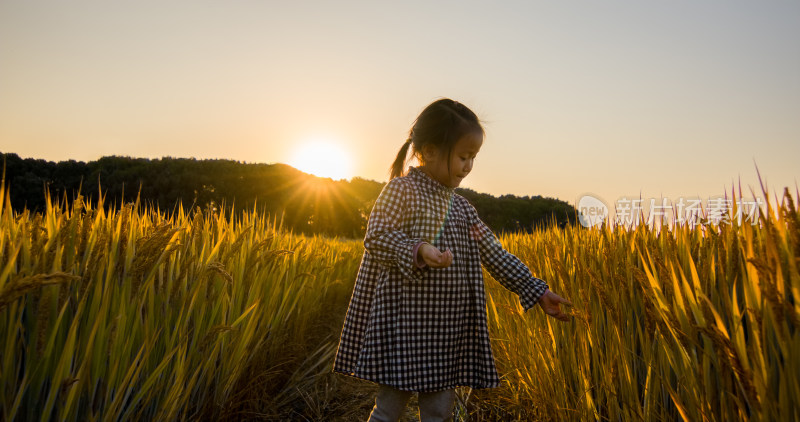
(442, 123)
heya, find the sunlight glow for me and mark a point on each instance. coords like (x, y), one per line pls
(322, 158)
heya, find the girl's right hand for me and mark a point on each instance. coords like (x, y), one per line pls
(434, 257)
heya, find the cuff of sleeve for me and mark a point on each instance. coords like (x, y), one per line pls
(407, 264)
(417, 262)
(530, 294)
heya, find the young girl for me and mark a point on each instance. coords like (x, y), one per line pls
(417, 316)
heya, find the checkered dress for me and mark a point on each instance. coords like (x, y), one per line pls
(424, 329)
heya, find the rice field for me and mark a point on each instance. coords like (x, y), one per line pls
(133, 313)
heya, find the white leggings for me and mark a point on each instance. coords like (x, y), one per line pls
(433, 406)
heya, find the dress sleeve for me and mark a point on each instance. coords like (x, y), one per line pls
(503, 266)
(384, 240)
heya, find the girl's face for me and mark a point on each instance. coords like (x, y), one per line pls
(461, 160)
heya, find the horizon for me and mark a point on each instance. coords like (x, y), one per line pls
(655, 216)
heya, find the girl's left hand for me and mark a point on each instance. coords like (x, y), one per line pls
(551, 305)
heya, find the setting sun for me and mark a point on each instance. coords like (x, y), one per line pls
(322, 158)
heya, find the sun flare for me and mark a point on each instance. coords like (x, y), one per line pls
(322, 158)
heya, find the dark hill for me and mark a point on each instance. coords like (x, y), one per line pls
(308, 204)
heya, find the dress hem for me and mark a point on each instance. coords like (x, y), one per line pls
(418, 390)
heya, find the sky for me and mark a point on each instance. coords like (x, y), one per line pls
(614, 99)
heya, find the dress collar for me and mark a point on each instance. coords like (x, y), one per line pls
(425, 180)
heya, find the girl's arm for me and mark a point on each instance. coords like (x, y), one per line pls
(504, 267)
(384, 240)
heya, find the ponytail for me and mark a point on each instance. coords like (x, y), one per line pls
(400, 161)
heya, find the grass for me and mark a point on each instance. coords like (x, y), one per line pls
(134, 313)
(686, 324)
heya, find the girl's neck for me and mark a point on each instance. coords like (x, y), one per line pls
(430, 173)
(427, 171)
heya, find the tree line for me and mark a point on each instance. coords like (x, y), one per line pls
(304, 203)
